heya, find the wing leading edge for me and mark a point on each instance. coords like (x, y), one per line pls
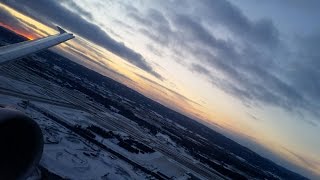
(18, 50)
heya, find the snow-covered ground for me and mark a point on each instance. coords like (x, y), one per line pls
(23, 87)
(72, 116)
(71, 156)
(76, 158)
(155, 161)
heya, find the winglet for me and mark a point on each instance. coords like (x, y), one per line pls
(61, 30)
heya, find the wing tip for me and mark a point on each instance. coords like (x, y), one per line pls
(61, 31)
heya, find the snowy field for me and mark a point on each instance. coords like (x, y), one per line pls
(71, 156)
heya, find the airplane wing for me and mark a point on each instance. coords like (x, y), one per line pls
(18, 50)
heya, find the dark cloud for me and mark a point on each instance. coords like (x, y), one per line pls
(78, 9)
(304, 69)
(252, 83)
(128, 7)
(154, 50)
(246, 75)
(250, 73)
(135, 16)
(155, 26)
(123, 24)
(253, 117)
(56, 13)
(8, 20)
(222, 12)
(199, 69)
(157, 17)
(23, 28)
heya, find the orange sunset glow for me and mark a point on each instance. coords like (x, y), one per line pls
(234, 96)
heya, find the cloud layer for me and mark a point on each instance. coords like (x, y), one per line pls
(249, 54)
(243, 60)
(54, 12)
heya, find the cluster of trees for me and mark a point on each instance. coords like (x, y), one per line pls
(84, 132)
(134, 146)
(101, 132)
(130, 115)
(128, 144)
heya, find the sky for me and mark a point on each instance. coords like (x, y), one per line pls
(248, 69)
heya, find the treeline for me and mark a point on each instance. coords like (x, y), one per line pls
(130, 145)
